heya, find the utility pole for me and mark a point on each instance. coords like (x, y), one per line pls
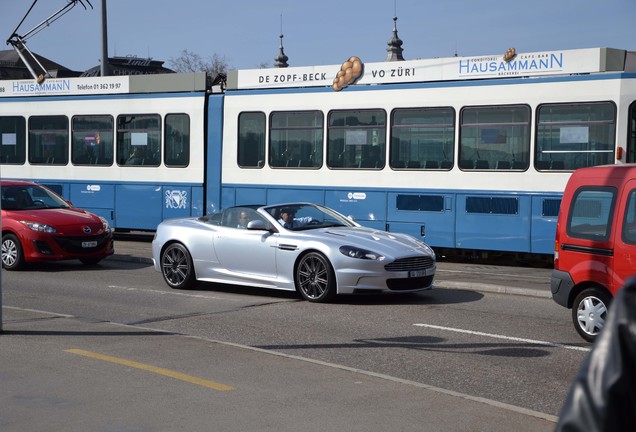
(105, 68)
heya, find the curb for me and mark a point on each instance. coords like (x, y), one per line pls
(497, 289)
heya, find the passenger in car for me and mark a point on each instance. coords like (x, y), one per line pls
(243, 220)
(289, 221)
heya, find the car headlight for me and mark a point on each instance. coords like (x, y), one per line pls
(39, 227)
(105, 224)
(356, 252)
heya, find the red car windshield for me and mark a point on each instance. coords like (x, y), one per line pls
(30, 197)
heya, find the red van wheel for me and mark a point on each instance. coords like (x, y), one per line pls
(589, 312)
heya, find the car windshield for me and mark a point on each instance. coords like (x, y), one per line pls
(299, 217)
(30, 197)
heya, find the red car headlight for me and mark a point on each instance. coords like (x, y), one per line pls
(39, 227)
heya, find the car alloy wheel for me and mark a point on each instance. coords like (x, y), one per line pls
(176, 267)
(315, 279)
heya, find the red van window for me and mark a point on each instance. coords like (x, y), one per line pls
(629, 224)
(591, 213)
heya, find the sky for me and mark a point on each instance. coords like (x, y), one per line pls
(246, 33)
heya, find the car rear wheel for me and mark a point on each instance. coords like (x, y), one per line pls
(315, 278)
(177, 267)
(589, 312)
(12, 255)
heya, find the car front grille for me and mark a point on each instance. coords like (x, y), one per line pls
(412, 263)
(74, 244)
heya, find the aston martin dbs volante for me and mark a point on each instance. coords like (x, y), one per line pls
(299, 246)
(39, 225)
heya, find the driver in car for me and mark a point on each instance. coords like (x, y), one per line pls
(289, 221)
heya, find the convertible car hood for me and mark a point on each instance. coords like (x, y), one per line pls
(376, 240)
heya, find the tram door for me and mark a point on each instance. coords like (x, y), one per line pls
(630, 154)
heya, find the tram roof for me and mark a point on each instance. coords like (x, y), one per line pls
(511, 64)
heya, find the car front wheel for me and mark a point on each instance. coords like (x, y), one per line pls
(177, 267)
(315, 279)
(589, 312)
(12, 256)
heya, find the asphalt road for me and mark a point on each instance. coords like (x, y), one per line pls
(113, 348)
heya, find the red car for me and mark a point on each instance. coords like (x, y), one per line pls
(39, 225)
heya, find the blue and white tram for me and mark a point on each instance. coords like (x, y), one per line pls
(466, 153)
(129, 148)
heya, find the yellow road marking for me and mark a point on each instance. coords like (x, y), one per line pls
(154, 369)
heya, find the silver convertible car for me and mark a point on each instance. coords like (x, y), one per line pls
(300, 246)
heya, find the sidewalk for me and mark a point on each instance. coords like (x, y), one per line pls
(526, 281)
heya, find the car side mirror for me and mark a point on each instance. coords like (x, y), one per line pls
(256, 225)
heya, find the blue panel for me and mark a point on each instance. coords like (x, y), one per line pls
(227, 198)
(105, 213)
(245, 196)
(93, 195)
(138, 206)
(543, 227)
(439, 226)
(214, 147)
(177, 201)
(362, 205)
(504, 232)
(379, 225)
(58, 188)
(198, 203)
(275, 196)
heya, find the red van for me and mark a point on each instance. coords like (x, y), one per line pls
(595, 248)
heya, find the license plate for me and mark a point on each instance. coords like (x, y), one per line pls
(89, 244)
(417, 273)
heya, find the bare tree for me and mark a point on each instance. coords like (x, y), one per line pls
(193, 62)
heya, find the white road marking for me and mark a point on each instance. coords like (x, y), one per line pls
(510, 338)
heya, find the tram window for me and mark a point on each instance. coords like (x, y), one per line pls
(571, 136)
(630, 151)
(296, 139)
(92, 140)
(251, 140)
(48, 140)
(138, 139)
(177, 140)
(494, 138)
(12, 140)
(356, 139)
(422, 138)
